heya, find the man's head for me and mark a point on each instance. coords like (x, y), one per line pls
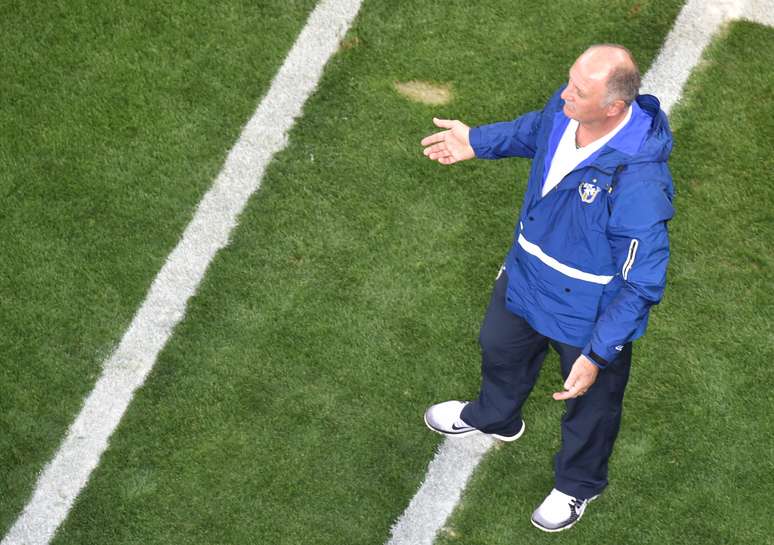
(603, 82)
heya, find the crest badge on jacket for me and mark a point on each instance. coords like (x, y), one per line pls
(588, 192)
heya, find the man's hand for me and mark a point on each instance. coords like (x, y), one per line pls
(582, 376)
(449, 146)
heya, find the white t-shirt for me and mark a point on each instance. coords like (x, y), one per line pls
(567, 156)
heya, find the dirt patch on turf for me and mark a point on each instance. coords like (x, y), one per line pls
(425, 92)
(350, 42)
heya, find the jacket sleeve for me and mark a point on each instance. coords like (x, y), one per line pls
(639, 240)
(517, 138)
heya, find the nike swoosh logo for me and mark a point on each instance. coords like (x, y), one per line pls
(455, 427)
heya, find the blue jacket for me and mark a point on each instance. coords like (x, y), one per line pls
(589, 259)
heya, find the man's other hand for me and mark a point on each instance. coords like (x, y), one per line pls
(582, 376)
(449, 146)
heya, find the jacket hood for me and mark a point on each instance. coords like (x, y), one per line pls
(658, 142)
(645, 139)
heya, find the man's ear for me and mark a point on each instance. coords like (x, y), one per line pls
(616, 107)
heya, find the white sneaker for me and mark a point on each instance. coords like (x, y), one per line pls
(559, 511)
(444, 418)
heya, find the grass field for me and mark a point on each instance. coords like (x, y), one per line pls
(115, 120)
(287, 407)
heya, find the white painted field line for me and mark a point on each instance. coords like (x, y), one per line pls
(759, 11)
(697, 22)
(264, 135)
(452, 466)
(447, 475)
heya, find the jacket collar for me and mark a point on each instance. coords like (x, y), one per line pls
(646, 137)
(627, 141)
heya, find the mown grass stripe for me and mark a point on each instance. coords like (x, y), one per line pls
(125, 370)
(456, 459)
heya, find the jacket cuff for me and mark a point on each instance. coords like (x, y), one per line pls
(595, 358)
(474, 138)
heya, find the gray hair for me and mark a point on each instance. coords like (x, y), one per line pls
(624, 80)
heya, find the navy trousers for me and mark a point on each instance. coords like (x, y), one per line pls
(512, 354)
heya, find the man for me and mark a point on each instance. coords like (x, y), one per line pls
(588, 260)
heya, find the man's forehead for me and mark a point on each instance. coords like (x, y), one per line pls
(589, 72)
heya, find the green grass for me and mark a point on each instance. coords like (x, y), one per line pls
(115, 119)
(694, 460)
(287, 407)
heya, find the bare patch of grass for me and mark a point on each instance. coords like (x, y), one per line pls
(434, 94)
(350, 42)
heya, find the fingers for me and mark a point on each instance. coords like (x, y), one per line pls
(434, 138)
(441, 153)
(435, 148)
(443, 157)
(569, 394)
(576, 385)
(582, 376)
(572, 378)
(577, 390)
(444, 123)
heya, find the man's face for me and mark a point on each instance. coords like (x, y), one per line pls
(586, 91)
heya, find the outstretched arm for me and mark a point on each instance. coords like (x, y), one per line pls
(517, 138)
(449, 146)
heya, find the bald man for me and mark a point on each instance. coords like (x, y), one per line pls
(588, 260)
